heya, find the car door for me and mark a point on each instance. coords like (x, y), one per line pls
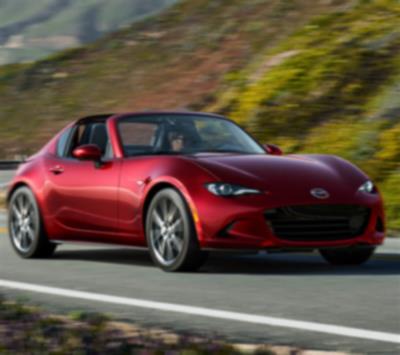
(82, 195)
(138, 138)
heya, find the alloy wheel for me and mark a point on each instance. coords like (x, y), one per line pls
(23, 223)
(167, 232)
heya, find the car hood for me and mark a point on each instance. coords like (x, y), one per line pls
(285, 173)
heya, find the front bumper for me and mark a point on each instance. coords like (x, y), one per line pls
(241, 223)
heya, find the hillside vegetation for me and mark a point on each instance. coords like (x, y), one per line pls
(332, 87)
(30, 30)
(321, 76)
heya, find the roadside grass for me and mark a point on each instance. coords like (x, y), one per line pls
(29, 330)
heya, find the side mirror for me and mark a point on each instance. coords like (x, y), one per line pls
(273, 149)
(87, 152)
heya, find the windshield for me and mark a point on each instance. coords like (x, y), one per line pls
(183, 134)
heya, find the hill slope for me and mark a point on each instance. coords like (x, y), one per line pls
(321, 76)
(333, 87)
(30, 30)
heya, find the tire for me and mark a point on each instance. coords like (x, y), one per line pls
(25, 226)
(170, 233)
(348, 256)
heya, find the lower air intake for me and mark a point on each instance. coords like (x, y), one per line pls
(318, 222)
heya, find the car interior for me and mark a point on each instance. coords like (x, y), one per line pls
(165, 139)
(146, 137)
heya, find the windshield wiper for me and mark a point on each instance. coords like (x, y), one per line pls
(160, 152)
(167, 152)
(221, 151)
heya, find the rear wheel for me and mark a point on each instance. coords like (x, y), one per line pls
(347, 256)
(170, 233)
(25, 226)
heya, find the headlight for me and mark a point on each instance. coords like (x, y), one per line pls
(223, 189)
(368, 187)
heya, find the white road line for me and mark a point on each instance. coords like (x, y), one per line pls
(207, 312)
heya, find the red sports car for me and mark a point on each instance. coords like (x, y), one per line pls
(183, 184)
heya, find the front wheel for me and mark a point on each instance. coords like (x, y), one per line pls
(347, 256)
(25, 225)
(170, 233)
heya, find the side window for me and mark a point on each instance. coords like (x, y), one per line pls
(63, 142)
(91, 133)
(76, 139)
(109, 154)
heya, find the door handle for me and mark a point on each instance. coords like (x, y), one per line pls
(57, 170)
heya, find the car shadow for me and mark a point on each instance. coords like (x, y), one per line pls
(260, 264)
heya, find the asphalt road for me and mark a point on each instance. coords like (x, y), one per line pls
(296, 287)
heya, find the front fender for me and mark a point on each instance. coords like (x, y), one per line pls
(188, 180)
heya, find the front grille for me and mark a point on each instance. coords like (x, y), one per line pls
(318, 222)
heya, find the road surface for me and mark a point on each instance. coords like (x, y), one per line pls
(284, 287)
(297, 287)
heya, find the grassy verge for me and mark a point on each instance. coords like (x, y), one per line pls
(28, 330)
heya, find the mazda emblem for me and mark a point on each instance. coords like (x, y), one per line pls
(319, 193)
